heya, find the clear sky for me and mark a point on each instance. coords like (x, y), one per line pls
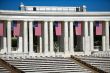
(92, 5)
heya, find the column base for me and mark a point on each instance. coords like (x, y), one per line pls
(67, 54)
(47, 54)
(52, 54)
(20, 50)
(71, 53)
(88, 53)
(26, 52)
(31, 53)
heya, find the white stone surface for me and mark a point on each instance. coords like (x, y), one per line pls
(71, 39)
(66, 38)
(46, 38)
(25, 37)
(107, 35)
(40, 41)
(103, 43)
(9, 36)
(20, 45)
(48, 18)
(51, 9)
(91, 36)
(51, 39)
(30, 37)
(86, 39)
(5, 44)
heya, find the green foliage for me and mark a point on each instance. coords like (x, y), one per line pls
(14, 42)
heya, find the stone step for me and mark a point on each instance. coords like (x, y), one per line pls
(70, 64)
(45, 64)
(41, 62)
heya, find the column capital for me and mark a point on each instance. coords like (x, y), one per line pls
(66, 21)
(30, 21)
(9, 20)
(106, 20)
(91, 21)
(45, 21)
(71, 21)
(85, 21)
(51, 21)
(25, 20)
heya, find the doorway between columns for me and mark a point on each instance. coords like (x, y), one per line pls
(37, 36)
(99, 34)
(1, 43)
(78, 29)
(16, 36)
(36, 47)
(2, 35)
(58, 36)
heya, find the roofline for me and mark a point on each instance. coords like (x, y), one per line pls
(31, 13)
(55, 6)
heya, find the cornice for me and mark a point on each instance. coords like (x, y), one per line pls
(40, 13)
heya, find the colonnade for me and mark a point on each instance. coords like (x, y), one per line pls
(47, 39)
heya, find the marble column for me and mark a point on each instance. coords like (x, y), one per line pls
(103, 38)
(25, 36)
(4, 45)
(86, 39)
(46, 38)
(31, 37)
(83, 36)
(5, 40)
(20, 49)
(66, 38)
(103, 43)
(40, 41)
(71, 39)
(9, 36)
(51, 38)
(107, 35)
(91, 36)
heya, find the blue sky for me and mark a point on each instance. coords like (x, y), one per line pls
(92, 5)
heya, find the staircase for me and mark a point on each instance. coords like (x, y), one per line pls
(102, 63)
(47, 65)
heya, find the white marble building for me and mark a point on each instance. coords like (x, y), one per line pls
(48, 44)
